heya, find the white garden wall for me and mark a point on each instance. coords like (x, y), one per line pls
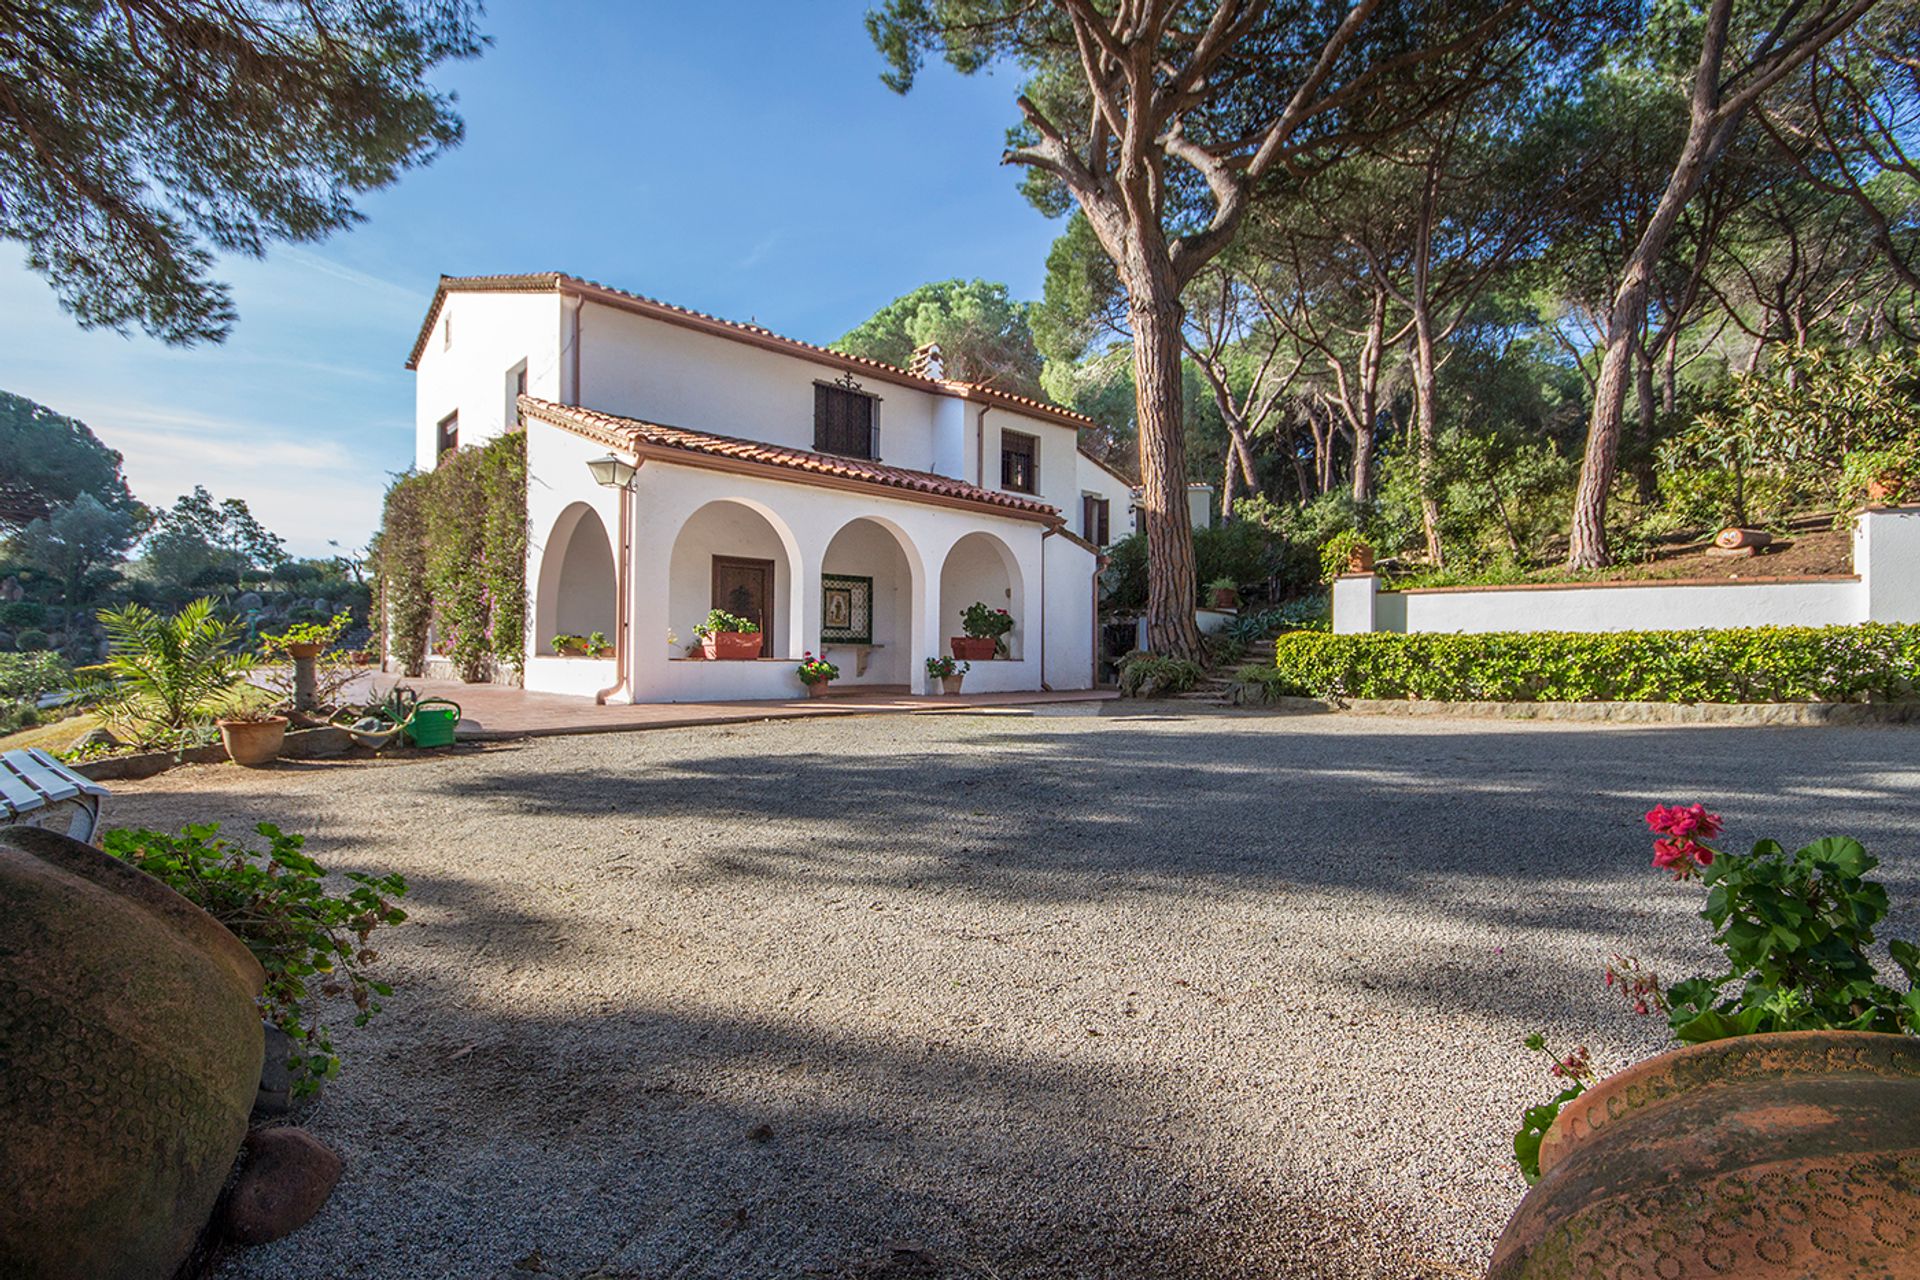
(1886, 588)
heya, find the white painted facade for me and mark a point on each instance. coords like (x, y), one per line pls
(1885, 588)
(928, 559)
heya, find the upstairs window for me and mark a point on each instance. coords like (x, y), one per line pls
(516, 387)
(1017, 462)
(449, 435)
(1095, 517)
(842, 421)
(446, 332)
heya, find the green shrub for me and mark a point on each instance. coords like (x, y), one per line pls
(15, 614)
(1877, 661)
(1148, 675)
(312, 943)
(30, 639)
(25, 676)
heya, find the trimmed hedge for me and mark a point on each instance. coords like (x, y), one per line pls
(1874, 661)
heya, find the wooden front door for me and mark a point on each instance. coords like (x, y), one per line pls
(744, 588)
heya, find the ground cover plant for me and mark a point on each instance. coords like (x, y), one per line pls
(1796, 931)
(313, 943)
(1873, 661)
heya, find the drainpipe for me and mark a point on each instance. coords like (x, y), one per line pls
(623, 592)
(980, 446)
(1051, 530)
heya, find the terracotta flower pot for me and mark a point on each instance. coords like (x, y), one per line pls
(972, 648)
(1884, 490)
(1762, 1157)
(951, 684)
(1224, 598)
(1360, 559)
(569, 649)
(253, 742)
(132, 1049)
(818, 689)
(734, 646)
(307, 649)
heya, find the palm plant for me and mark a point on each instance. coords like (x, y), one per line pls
(165, 676)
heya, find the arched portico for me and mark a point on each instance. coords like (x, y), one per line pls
(578, 591)
(872, 587)
(981, 568)
(736, 555)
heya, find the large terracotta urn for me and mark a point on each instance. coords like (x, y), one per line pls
(1770, 1157)
(129, 1058)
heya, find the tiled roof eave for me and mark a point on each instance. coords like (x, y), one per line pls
(674, 445)
(560, 282)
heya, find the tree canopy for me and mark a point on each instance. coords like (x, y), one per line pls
(982, 333)
(138, 139)
(48, 459)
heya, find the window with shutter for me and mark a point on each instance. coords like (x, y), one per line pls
(449, 434)
(1094, 517)
(1017, 469)
(842, 421)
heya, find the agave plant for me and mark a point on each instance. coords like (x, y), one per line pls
(165, 676)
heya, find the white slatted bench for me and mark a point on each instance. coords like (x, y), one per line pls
(32, 780)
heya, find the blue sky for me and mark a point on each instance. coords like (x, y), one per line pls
(742, 159)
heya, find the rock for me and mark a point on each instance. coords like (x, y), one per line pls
(288, 1175)
(248, 602)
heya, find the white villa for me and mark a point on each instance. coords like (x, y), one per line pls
(850, 508)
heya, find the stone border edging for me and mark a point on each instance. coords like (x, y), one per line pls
(299, 744)
(1735, 713)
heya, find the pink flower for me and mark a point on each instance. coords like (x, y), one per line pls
(1681, 855)
(1683, 820)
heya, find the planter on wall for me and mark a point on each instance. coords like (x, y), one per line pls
(972, 648)
(1763, 1157)
(732, 646)
(132, 1047)
(253, 742)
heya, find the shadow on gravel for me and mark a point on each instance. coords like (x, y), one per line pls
(1238, 803)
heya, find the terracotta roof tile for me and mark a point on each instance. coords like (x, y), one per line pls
(695, 448)
(560, 282)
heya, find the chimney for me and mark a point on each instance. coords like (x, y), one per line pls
(927, 362)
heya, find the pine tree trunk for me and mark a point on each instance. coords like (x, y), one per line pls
(1708, 130)
(1426, 432)
(1172, 585)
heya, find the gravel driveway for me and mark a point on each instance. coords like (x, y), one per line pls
(1052, 995)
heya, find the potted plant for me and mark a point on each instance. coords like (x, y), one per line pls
(1223, 593)
(1888, 477)
(252, 736)
(308, 640)
(817, 674)
(986, 630)
(596, 645)
(1787, 1076)
(948, 671)
(725, 636)
(570, 646)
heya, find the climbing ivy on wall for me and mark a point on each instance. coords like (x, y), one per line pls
(451, 559)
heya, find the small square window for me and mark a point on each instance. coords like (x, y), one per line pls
(1018, 469)
(449, 435)
(446, 332)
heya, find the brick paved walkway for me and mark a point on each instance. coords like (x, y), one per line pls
(492, 712)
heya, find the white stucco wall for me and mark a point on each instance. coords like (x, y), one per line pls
(557, 479)
(801, 527)
(1886, 589)
(492, 334)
